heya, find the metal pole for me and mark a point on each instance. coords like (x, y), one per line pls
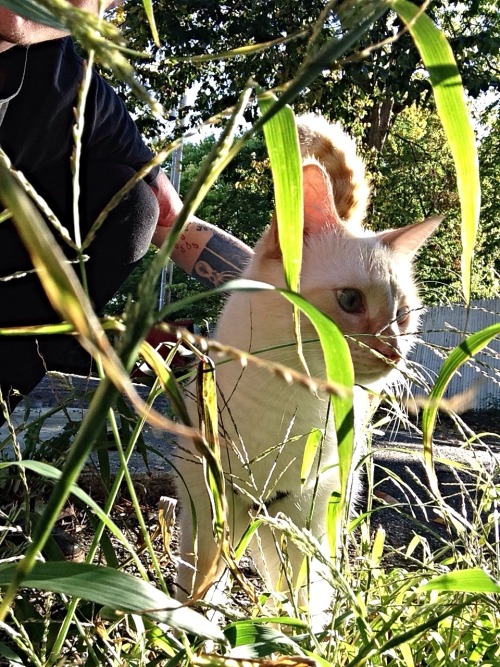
(166, 277)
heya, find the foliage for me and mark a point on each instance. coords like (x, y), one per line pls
(366, 93)
(413, 179)
(241, 200)
(489, 232)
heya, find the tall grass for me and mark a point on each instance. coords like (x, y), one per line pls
(427, 608)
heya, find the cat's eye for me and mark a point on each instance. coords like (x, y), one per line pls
(350, 300)
(402, 315)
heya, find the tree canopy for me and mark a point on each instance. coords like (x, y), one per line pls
(366, 91)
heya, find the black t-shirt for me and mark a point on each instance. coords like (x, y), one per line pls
(36, 130)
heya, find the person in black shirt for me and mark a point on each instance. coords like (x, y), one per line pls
(40, 76)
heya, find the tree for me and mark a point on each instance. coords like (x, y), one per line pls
(365, 93)
(413, 179)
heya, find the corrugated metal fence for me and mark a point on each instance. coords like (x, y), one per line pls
(445, 327)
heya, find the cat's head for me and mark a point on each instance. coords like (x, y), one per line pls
(362, 280)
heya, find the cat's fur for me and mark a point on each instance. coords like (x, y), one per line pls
(264, 422)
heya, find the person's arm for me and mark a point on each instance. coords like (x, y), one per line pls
(205, 252)
(15, 29)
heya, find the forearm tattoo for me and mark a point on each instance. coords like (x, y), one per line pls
(222, 259)
(210, 255)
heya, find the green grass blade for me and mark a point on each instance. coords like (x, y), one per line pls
(260, 640)
(166, 379)
(466, 350)
(473, 580)
(339, 370)
(115, 589)
(282, 143)
(312, 444)
(410, 635)
(451, 106)
(148, 8)
(208, 417)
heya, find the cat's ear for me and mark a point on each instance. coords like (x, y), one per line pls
(320, 212)
(319, 209)
(269, 243)
(408, 240)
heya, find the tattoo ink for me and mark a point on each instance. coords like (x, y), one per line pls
(220, 261)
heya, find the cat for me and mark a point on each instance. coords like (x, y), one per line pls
(364, 282)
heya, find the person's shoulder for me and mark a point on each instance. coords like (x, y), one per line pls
(64, 51)
(55, 65)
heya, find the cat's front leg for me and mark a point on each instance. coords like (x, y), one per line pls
(201, 563)
(198, 551)
(279, 552)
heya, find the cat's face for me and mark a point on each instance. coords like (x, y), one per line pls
(362, 281)
(368, 291)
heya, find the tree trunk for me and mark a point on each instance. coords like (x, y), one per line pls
(379, 124)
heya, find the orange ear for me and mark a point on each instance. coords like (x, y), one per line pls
(269, 242)
(319, 209)
(320, 212)
(408, 240)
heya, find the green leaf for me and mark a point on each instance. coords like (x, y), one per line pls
(245, 539)
(115, 589)
(466, 350)
(474, 580)
(166, 378)
(48, 471)
(259, 639)
(8, 653)
(312, 444)
(282, 143)
(339, 369)
(208, 417)
(148, 8)
(451, 105)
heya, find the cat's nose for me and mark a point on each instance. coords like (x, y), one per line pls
(388, 351)
(391, 354)
(386, 344)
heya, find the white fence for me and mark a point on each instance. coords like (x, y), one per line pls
(477, 384)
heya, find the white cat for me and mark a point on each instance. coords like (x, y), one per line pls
(360, 279)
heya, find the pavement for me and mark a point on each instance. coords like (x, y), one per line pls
(59, 404)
